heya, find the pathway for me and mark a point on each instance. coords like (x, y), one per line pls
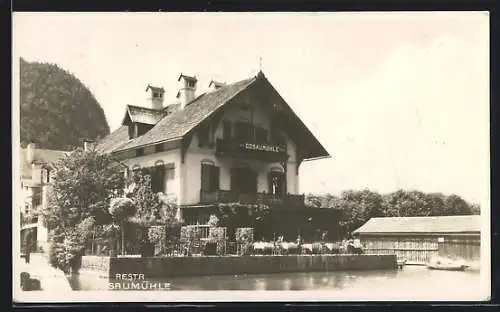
(51, 279)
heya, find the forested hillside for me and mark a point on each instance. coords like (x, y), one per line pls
(57, 110)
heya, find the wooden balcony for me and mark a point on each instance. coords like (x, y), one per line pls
(223, 196)
(251, 150)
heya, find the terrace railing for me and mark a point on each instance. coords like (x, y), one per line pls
(224, 196)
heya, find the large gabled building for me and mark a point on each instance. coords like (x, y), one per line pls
(238, 142)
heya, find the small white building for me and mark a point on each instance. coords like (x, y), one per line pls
(36, 166)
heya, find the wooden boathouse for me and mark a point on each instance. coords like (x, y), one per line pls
(417, 239)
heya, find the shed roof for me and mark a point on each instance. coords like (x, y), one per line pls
(441, 224)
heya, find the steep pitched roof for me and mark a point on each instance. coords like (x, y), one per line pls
(442, 224)
(113, 141)
(179, 123)
(144, 115)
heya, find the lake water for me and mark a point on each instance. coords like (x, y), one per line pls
(406, 282)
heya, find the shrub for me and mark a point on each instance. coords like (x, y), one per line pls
(156, 236)
(217, 235)
(66, 247)
(190, 237)
(121, 208)
(213, 221)
(244, 238)
(62, 253)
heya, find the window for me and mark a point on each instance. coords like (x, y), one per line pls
(209, 178)
(261, 135)
(158, 179)
(139, 152)
(190, 84)
(131, 131)
(156, 95)
(143, 128)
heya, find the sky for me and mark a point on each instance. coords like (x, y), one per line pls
(399, 100)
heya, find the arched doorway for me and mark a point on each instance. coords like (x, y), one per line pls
(277, 184)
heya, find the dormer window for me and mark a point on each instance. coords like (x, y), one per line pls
(190, 83)
(131, 131)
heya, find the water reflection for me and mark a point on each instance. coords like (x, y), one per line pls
(389, 281)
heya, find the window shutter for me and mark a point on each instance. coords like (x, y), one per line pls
(154, 184)
(214, 181)
(205, 177)
(160, 179)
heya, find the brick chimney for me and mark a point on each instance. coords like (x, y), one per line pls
(157, 96)
(187, 89)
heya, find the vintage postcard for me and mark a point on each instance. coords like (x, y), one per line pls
(183, 157)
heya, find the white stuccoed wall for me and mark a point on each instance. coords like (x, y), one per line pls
(188, 174)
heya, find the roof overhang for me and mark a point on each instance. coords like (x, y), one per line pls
(304, 135)
(146, 145)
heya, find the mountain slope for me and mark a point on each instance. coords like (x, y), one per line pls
(57, 110)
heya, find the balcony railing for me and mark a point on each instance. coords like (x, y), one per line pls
(223, 196)
(251, 149)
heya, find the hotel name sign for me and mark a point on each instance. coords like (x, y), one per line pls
(263, 147)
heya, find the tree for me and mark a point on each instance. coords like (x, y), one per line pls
(358, 207)
(455, 205)
(475, 209)
(413, 204)
(436, 201)
(152, 209)
(121, 209)
(84, 184)
(57, 110)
